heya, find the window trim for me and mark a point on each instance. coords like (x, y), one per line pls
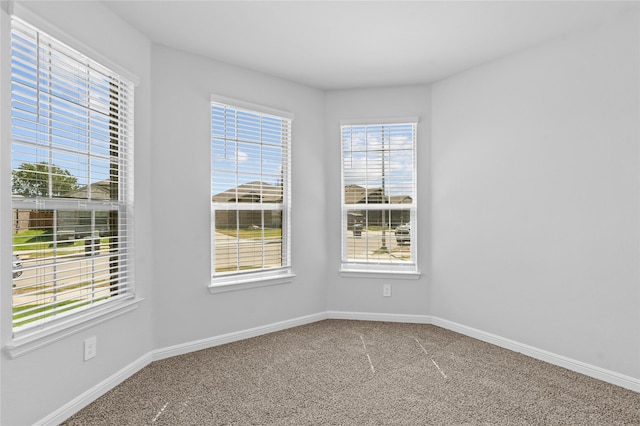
(259, 278)
(17, 343)
(236, 103)
(73, 324)
(372, 269)
(255, 280)
(363, 273)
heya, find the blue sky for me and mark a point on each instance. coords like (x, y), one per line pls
(60, 112)
(363, 148)
(247, 145)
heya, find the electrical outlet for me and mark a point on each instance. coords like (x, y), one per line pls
(386, 290)
(90, 348)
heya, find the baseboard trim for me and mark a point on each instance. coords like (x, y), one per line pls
(106, 385)
(111, 382)
(372, 316)
(210, 342)
(78, 403)
(599, 373)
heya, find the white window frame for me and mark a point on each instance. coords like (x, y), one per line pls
(233, 281)
(22, 340)
(372, 268)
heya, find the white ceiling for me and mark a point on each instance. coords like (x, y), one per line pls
(353, 44)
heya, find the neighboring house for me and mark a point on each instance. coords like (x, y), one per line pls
(400, 217)
(77, 224)
(70, 223)
(252, 192)
(356, 194)
(100, 190)
(31, 219)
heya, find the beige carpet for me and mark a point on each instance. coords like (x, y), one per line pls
(360, 373)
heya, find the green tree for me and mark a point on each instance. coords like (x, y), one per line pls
(32, 180)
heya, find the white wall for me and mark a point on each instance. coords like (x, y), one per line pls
(535, 197)
(184, 310)
(37, 384)
(409, 297)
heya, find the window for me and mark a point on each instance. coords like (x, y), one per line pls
(379, 197)
(250, 199)
(71, 146)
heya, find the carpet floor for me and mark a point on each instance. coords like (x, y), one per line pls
(339, 372)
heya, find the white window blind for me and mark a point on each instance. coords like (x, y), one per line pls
(72, 136)
(250, 196)
(379, 194)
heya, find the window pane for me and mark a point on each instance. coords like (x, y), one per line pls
(62, 259)
(248, 240)
(378, 173)
(249, 164)
(70, 139)
(378, 235)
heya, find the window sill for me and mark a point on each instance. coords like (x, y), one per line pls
(402, 275)
(244, 283)
(37, 339)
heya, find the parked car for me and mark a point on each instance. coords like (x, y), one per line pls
(17, 266)
(403, 234)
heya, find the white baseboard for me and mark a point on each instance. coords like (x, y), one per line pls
(599, 373)
(111, 382)
(210, 342)
(106, 385)
(95, 392)
(372, 316)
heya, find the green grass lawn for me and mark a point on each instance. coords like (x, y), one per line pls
(45, 311)
(39, 290)
(32, 239)
(254, 234)
(235, 268)
(42, 242)
(379, 228)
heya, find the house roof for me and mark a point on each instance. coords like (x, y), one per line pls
(100, 190)
(356, 194)
(251, 192)
(400, 199)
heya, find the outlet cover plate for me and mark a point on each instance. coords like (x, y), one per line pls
(90, 348)
(386, 290)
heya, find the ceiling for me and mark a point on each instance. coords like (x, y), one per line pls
(354, 44)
